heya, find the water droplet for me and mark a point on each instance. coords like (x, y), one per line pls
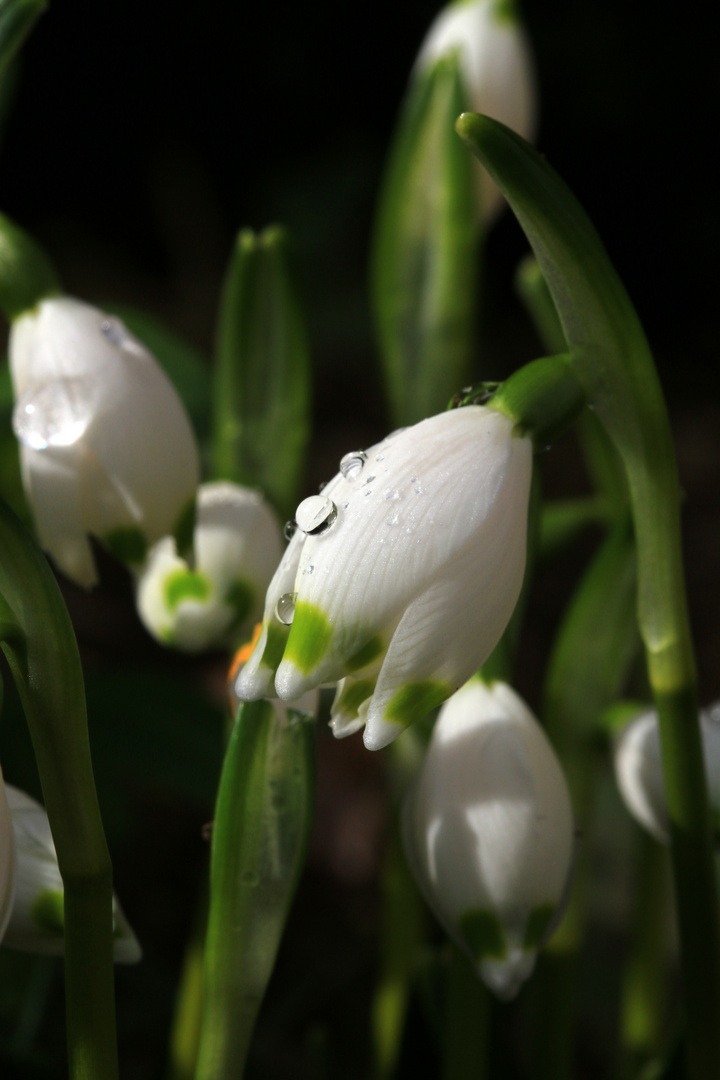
(418, 489)
(316, 514)
(391, 494)
(393, 520)
(321, 486)
(413, 479)
(309, 570)
(55, 414)
(285, 608)
(369, 491)
(114, 331)
(368, 481)
(380, 457)
(351, 464)
(289, 529)
(345, 505)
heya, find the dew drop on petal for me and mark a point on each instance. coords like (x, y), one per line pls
(368, 481)
(289, 529)
(380, 457)
(285, 608)
(391, 494)
(345, 505)
(316, 514)
(393, 520)
(55, 414)
(114, 331)
(309, 569)
(369, 491)
(351, 464)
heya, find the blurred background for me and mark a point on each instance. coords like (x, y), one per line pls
(136, 139)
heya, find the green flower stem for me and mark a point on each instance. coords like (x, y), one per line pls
(543, 398)
(39, 643)
(262, 825)
(643, 1007)
(187, 1021)
(613, 361)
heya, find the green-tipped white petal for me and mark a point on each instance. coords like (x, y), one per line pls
(419, 505)
(639, 771)
(36, 921)
(350, 706)
(236, 546)
(8, 874)
(489, 833)
(496, 66)
(92, 403)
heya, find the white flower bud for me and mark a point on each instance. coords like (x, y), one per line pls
(496, 66)
(36, 922)
(106, 447)
(8, 860)
(639, 773)
(488, 831)
(237, 546)
(402, 574)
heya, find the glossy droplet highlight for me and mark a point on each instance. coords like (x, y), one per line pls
(114, 331)
(309, 570)
(285, 608)
(392, 494)
(316, 514)
(351, 464)
(56, 414)
(289, 529)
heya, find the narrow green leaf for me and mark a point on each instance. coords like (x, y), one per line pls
(263, 819)
(17, 18)
(425, 251)
(26, 274)
(262, 377)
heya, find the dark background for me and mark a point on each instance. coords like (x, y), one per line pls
(140, 138)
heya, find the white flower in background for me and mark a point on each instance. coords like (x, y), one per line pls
(496, 66)
(8, 860)
(402, 574)
(237, 546)
(488, 831)
(639, 773)
(106, 447)
(37, 917)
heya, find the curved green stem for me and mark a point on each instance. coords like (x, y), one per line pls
(612, 359)
(39, 643)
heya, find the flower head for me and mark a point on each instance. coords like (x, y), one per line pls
(639, 771)
(106, 447)
(488, 831)
(496, 66)
(402, 574)
(36, 921)
(237, 545)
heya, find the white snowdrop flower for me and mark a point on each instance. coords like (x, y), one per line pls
(488, 831)
(496, 66)
(8, 861)
(639, 773)
(237, 546)
(36, 922)
(402, 574)
(106, 447)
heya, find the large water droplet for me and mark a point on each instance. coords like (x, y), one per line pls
(289, 529)
(55, 414)
(285, 608)
(351, 464)
(316, 514)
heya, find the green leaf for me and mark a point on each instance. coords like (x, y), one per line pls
(26, 274)
(186, 368)
(263, 819)
(17, 18)
(425, 251)
(262, 376)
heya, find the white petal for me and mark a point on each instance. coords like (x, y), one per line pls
(237, 535)
(419, 502)
(349, 708)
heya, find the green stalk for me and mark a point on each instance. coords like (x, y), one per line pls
(39, 643)
(262, 825)
(612, 359)
(467, 1021)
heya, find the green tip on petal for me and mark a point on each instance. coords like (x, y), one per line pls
(275, 643)
(365, 656)
(415, 700)
(310, 637)
(186, 585)
(483, 934)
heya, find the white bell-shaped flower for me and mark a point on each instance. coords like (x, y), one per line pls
(639, 773)
(106, 447)
(402, 574)
(496, 66)
(36, 921)
(488, 831)
(237, 546)
(8, 861)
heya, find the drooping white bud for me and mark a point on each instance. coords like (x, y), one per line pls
(488, 831)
